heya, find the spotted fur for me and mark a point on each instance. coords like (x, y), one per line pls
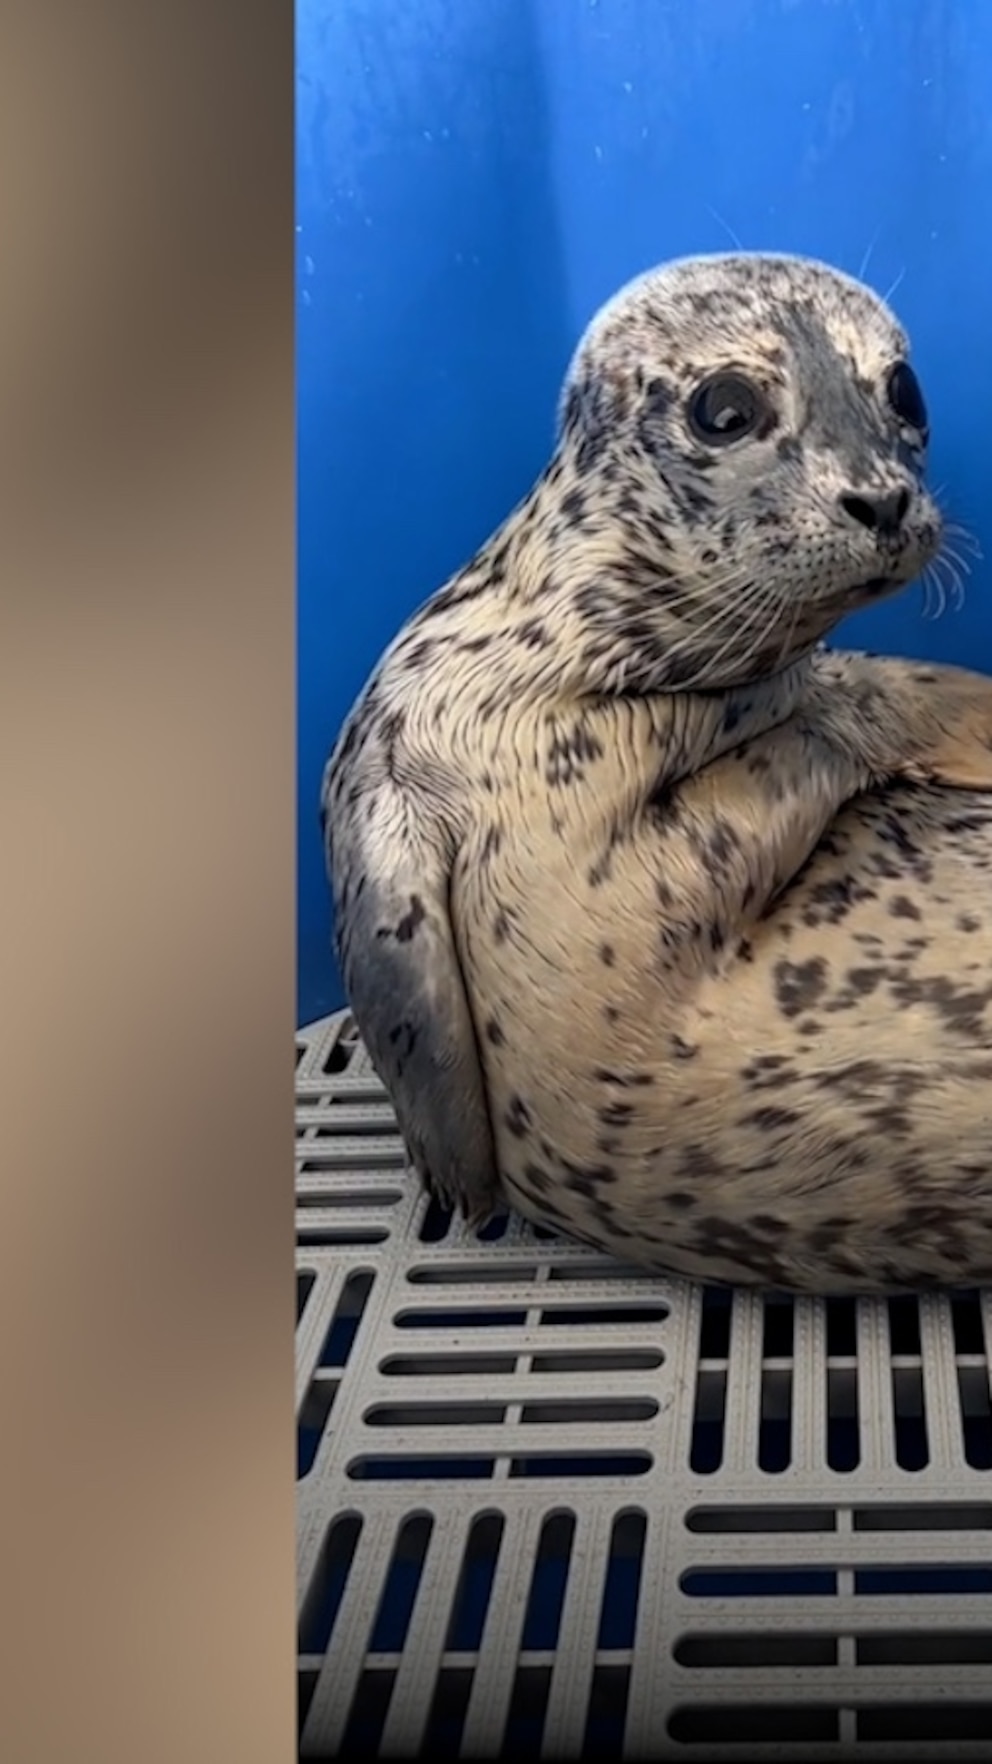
(660, 921)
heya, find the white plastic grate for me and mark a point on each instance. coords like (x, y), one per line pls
(549, 1505)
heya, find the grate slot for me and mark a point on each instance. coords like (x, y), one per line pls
(744, 1723)
(306, 1280)
(446, 1721)
(346, 1321)
(618, 1615)
(313, 1419)
(925, 1722)
(760, 1648)
(916, 1647)
(475, 1583)
(327, 1586)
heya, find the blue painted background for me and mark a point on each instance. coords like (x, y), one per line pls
(476, 176)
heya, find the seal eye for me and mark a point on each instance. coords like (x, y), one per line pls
(906, 398)
(724, 409)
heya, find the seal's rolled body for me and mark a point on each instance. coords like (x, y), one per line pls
(662, 923)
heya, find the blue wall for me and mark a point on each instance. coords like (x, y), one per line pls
(476, 176)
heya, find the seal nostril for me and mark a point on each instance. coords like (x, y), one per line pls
(880, 514)
(861, 510)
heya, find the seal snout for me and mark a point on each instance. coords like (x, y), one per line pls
(883, 512)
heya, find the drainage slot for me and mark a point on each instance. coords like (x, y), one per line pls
(925, 1721)
(443, 1735)
(757, 1583)
(475, 1584)
(605, 1360)
(706, 1449)
(966, 1320)
(528, 1707)
(761, 1519)
(494, 1229)
(447, 1365)
(325, 1237)
(740, 1724)
(976, 1415)
(306, 1684)
(305, 1282)
(420, 1469)
(401, 1584)
(761, 1648)
(775, 1429)
(925, 1517)
(606, 1716)
(591, 1409)
(579, 1317)
(905, 1582)
(584, 1464)
(368, 1713)
(327, 1588)
(436, 1222)
(435, 1415)
(314, 1413)
(843, 1442)
(348, 1314)
(917, 1647)
(460, 1319)
(548, 1582)
(618, 1615)
(329, 1198)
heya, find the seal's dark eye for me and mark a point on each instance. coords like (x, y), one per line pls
(725, 408)
(906, 398)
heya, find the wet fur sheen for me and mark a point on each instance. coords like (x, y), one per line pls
(661, 923)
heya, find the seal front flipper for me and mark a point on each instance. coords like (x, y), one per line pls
(928, 722)
(389, 875)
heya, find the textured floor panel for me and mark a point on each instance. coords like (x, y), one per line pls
(548, 1504)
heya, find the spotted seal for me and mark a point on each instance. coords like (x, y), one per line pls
(662, 922)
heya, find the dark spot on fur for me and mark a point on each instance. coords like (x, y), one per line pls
(533, 633)
(501, 926)
(722, 842)
(607, 954)
(799, 984)
(518, 1117)
(901, 907)
(492, 843)
(681, 1200)
(683, 1050)
(494, 1033)
(615, 1114)
(770, 1120)
(695, 1160)
(864, 981)
(541, 1181)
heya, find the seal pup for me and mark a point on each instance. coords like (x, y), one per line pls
(661, 922)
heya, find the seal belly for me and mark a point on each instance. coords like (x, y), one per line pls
(816, 1115)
